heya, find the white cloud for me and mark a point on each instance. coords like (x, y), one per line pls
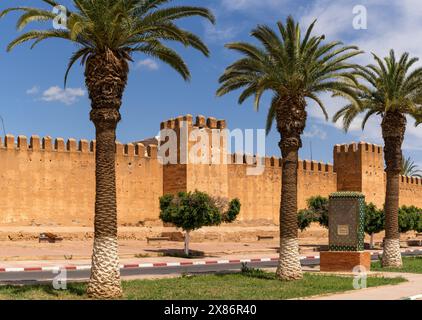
(33, 90)
(394, 25)
(67, 96)
(147, 64)
(315, 132)
(220, 34)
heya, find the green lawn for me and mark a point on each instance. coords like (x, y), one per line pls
(410, 265)
(257, 285)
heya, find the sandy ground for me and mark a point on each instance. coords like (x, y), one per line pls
(21, 243)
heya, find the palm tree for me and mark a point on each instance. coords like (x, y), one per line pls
(392, 91)
(108, 33)
(410, 169)
(294, 68)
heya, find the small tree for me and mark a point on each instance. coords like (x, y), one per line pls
(408, 218)
(319, 205)
(304, 218)
(418, 225)
(374, 221)
(194, 210)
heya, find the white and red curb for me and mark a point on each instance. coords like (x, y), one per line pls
(145, 265)
(167, 264)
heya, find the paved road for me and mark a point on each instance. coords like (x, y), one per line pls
(32, 277)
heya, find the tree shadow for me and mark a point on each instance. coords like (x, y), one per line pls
(179, 253)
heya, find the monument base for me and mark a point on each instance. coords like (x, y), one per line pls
(344, 261)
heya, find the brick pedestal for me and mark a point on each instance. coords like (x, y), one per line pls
(344, 261)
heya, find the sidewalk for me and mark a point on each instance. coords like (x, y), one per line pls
(401, 291)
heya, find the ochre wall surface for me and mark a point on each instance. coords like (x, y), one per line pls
(47, 181)
(52, 182)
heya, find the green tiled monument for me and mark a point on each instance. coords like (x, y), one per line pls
(346, 218)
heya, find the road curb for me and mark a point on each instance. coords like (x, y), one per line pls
(169, 264)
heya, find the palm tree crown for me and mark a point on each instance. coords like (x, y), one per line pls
(121, 26)
(391, 88)
(410, 169)
(107, 33)
(392, 91)
(289, 64)
(293, 67)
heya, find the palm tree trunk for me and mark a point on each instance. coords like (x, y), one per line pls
(106, 77)
(393, 130)
(105, 272)
(291, 120)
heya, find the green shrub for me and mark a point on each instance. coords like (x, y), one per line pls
(319, 206)
(194, 210)
(409, 218)
(305, 218)
(374, 219)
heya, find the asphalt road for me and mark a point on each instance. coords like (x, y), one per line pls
(33, 277)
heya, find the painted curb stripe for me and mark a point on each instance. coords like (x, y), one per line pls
(14, 269)
(173, 264)
(160, 264)
(170, 264)
(146, 265)
(33, 269)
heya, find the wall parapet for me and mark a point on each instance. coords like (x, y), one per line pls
(355, 147)
(48, 144)
(315, 166)
(410, 180)
(303, 165)
(200, 122)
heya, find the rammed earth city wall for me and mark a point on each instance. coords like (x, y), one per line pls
(45, 181)
(53, 181)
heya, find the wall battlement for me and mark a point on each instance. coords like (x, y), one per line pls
(200, 122)
(315, 166)
(411, 180)
(59, 186)
(358, 147)
(304, 165)
(47, 144)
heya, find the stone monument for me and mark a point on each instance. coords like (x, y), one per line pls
(346, 218)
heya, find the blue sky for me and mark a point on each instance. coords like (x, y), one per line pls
(33, 100)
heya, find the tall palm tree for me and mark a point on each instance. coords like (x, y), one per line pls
(107, 33)
(410, 168)
(294, 68)
(391, 90)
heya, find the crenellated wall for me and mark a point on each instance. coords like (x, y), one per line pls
(52, 181)
(46, 181)
(260, 194)
(411, 191)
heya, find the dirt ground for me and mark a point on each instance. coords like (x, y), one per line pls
(21, 243)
